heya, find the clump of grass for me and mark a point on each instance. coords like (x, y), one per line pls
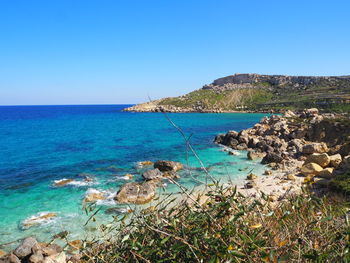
(341, 183)
(227, 227)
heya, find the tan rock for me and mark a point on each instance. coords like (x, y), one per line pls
(166, 166)
(2, 253)
(251, 176)
(336, 159)
(36, 220)
(315, 148)
(291, 177)
(145, 163)
(322, 159)
(311, 169)
(62, 182)
(326, 173)
(94, 196)
(253, 155)
(36, 257)
(136, 193)
(51, 249)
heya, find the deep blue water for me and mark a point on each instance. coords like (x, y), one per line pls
(40, 144)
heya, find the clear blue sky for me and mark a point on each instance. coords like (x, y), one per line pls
(91, 52)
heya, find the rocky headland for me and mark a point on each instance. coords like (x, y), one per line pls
(255, 92)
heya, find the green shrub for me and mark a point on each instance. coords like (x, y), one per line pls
(227, 227)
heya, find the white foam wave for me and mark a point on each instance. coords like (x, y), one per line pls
(41, 218)
(108, 195)
(76, 183)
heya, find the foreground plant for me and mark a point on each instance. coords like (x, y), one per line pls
(224, 226)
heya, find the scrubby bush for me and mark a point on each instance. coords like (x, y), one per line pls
(224, 226)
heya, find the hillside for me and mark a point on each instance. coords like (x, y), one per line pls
(254, 92)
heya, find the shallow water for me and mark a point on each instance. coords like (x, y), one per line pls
(41, 144)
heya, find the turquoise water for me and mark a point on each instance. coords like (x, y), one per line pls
(41, 144)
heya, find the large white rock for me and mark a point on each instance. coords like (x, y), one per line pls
(335, 160)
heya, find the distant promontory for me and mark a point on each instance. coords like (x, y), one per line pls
(255, 92)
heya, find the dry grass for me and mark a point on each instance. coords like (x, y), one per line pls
(230, 228)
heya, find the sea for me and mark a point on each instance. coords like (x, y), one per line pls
(41, 145)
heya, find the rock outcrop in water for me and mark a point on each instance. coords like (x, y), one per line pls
(136, 193)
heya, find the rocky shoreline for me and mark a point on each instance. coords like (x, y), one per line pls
(154, 107)
(300, 148)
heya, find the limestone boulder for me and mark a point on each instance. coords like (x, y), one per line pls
(167, 166)
(253, 155)
(25, 248)
(272, 158)
(136, 193)
(322, 159)
(289, 114)
(336, 159)
(152, 174)
(315, 148)
(311, 169)
(93, 195)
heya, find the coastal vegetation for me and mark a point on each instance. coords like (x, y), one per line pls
(229, 227)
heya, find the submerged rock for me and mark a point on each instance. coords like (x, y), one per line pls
(41, 218)
(136, 193)
(62, 182)
(145, 163)
(94, 195)
(167, 166)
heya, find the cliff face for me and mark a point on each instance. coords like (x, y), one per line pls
(256, 80)
(254, 92)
